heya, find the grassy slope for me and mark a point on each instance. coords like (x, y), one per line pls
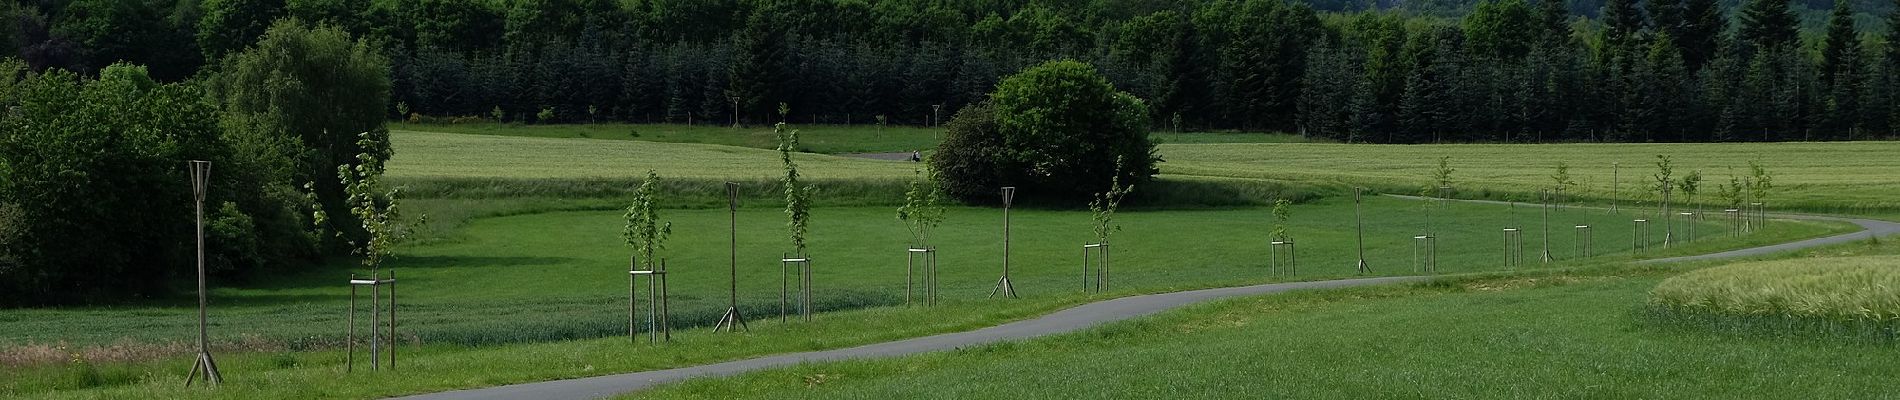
(1558, 336)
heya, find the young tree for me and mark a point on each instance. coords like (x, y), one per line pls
(797, 192)
(1282, 212)
(921, 211)
(1690, 184)
(1104, 206)
(1561, 181)
(1759, 180)
(374, 208)
(1665, 184)
(644, 231)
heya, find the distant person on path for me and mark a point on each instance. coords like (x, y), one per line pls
(916, 155)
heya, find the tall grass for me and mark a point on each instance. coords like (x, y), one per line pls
(1851, 297)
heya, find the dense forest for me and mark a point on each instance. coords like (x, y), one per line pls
(1361, 70)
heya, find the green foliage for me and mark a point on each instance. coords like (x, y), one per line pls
(1057, 128)
(1103, 207)
(1664, 181)
(1562, 181)
(1760, 181)
(545, 116)
(1767, 25)
(292, 104)
(227, 26)
(1496, 29)
(376, 210)
(644, 231)
(1282, 213)
(1441, 177)
(922, 210)
(1735, 191)
(1690, 184)
(96, 198)
(797, 193)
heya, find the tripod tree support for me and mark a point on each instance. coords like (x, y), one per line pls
(732, 320)
(1360, 221)
(1003, 285)
(200, 179)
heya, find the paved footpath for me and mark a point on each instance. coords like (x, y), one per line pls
(1068, 320)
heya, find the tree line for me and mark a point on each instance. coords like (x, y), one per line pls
(1507, 70)
(95, 201)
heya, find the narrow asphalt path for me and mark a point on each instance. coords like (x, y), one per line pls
(1067, 320)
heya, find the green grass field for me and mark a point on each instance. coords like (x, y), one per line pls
(520, 275)
(1848, 297)
(825, 139)
(1851, 177)
(1561, 335)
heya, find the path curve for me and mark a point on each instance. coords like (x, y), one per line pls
(1067, 320)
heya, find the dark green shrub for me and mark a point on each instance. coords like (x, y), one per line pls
(1056, 130)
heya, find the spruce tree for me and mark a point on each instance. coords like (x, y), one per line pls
(1700, 36)
(1840, 73)
(1766, 25)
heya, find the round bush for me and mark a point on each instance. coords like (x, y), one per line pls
(1056, 130)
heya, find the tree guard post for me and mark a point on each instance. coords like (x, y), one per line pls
(1690, 217)
(732, 320)
(376, 337)
(1548, 197)
(1003, 285)
(1734, 221)
(1759, 216)
(929, 258)
(200, 182)
(1282, 249)
(1097, 266)
(1360, 221)
(801, 265)
(1584, 241)
(1425, 254)
(1513, 248)
(658, 315)
(1616, 181)
(1639, 236)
